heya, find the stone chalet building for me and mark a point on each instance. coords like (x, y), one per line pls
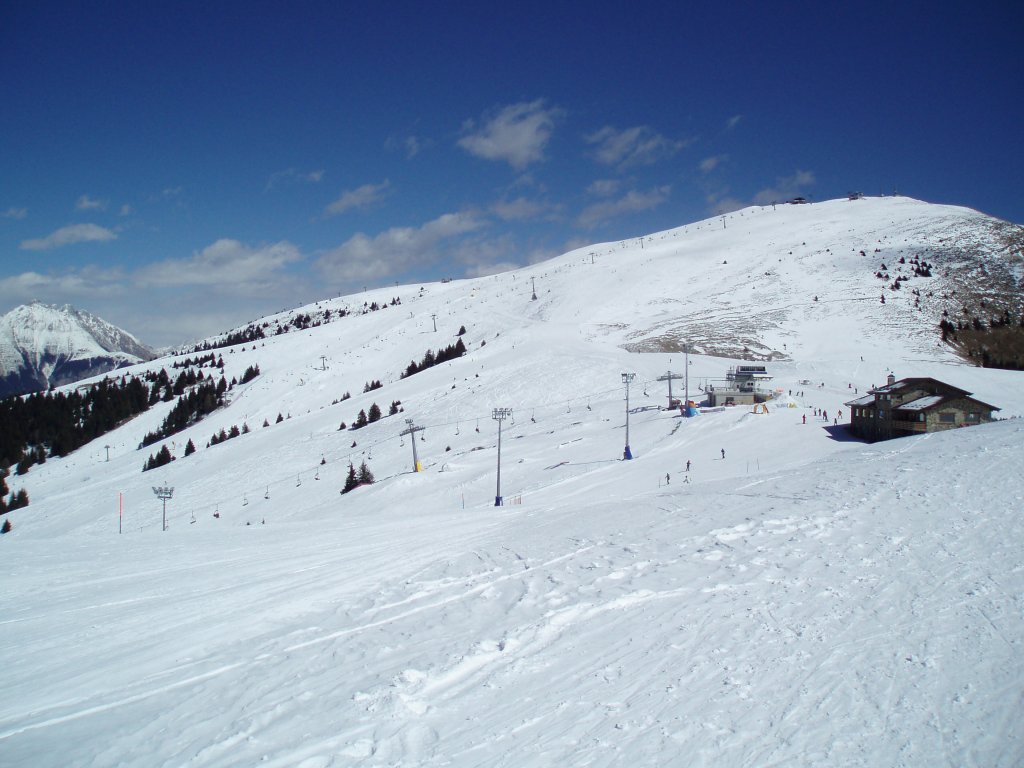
(913, 406)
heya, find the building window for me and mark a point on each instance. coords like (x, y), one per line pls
(920, 416)
(947, 418)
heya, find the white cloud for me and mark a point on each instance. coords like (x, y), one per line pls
(720, 205)
(603, 187)
(15, 213)
(732, 122)
(86, 203)
(516, 134)
(409, 144)
(368, 194)
(631, 202)
(75, 233)
(709, 164)
(126, 210)
(412, 147)
(228, 264)
(85, 284)
(519, 209)
(291, 175)
(633, 146)
(363, 258)
(785, 188)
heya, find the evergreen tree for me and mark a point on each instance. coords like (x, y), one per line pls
(351, 481)
(374, 414)
(360, 420)
(190, 447)
(365, 475)
(6, 527)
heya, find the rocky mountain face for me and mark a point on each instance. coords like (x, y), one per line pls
(42, 345)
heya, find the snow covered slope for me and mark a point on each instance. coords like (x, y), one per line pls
(796, 598)
(41, 344)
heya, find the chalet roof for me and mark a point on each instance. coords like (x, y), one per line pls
(933, 401)
(947, 393)
(923, 403)
(861, 401)
(902, 384)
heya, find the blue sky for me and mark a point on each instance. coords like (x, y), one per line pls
(186, 167)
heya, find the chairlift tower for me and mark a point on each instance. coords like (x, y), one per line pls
(499, 415)
(627, 378)
(668, 377)
(163, 492)
(686, 384)
(411, 430)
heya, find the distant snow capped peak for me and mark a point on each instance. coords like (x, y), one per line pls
(44, 344)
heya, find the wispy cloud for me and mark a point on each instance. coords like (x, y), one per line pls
(604, 187)
(293, 176)
(639, 145)
(86, 203)
(516, 134)
(413, 145)
(409, 144)
(226, 283)
(785, 187)
(126, 210)
(228, 264)
(365, 258)
(15, 213)
(709, 164)
(631, 202)
(732, 122)
(75, 233)
(89, 282)
(725, 204)
(520, 209)
(361, 197)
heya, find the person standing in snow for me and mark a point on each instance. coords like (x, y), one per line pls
(666, 479)
(805, 418)
(723, 453)
(687, 465)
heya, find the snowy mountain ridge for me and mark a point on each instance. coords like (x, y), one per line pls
(43, 345)
(750, 589)
(742, 284)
